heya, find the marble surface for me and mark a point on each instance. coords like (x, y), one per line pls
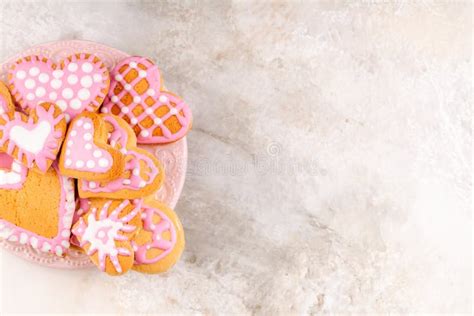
(329, 165)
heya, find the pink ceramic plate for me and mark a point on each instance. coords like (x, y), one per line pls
(173, 156)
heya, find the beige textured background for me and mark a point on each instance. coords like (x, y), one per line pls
(330, 161)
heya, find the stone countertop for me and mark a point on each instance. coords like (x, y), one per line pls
(329, 165)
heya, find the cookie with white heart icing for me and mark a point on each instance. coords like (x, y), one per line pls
(137, 95)
(33, 139)
(77, 83)
(85, 153)
(35, 208)
(105, 230)
(160, 242)
(143, 174)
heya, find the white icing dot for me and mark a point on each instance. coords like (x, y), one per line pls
(126, 181)
(65, 243)
(150, 92)
(104, 110)
(144, 133)
(53, 96)
(62, 104)
(87, 67)
(137, 99)
(86, 81)
(123, 151)
(88, 146)
(65, 233)
(142, 184)
(97, 153)
(136, 172)
(34, 71)
(75, 104)
(157, 121)
(70, 143)
(149, 111)
(21, 75)
(142, 73)
(79, 164)
(58, 74)
(133, 64)
(134, 120)
(43, 78)
(92, 185)
(68, 152)
(87, 136)
(30, 96)
(114, 98)
(128, 87)
(79, 122)
(90, 164)
(72, 67)
(30, 83)
(163, 98)
(125, 110)
(87, 125)
(67, 117)
(97, 78)
(173, 111)
(103, 162)
(56, 84)
(40, 92)
(83, 94)
(118, 77)
(68, 162)
(67, 93)
(59, 250)
(72, 79)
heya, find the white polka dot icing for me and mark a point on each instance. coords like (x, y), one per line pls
(84, 155)
(79, 81)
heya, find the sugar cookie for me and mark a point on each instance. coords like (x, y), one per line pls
(136, 94)
(159, 244)
(143, 174)
(77, 83)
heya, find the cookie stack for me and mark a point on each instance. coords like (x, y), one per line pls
(72, 173)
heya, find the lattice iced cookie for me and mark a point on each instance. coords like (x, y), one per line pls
(136, 94)
(78, 83)
(143, 174)
(159, 244)
(104, 232)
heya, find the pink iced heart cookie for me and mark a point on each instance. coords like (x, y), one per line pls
(85, 153)
(136, 95)
(33, 140)
(77, 83)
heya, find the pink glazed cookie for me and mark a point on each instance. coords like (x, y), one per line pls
(85, 153)
(143, 174)
(136, 94)
(33, 140)
(77, 83)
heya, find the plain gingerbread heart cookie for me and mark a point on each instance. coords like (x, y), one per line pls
(136, 94)
(160, 243)
(35, 209)
(78, 83)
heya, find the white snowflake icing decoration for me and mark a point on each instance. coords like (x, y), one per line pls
(101, 234)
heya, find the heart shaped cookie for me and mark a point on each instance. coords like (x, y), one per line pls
(104, 232)
(86, 154)
(77, 83)
(159, 244)
(33, 140)
(143, 174)
(36, 209)
(136, 95)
